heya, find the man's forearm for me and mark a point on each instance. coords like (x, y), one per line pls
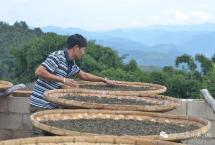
(92, 78)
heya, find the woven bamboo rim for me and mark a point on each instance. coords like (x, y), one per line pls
(5, 85)
(84, 140)
(154, 88)
(160, 103)
(22, 93)
(62, 114)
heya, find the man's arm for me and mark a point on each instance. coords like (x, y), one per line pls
(93, 78)
(90, 77)
(43, 73)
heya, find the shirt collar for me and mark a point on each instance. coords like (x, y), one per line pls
(68, 59)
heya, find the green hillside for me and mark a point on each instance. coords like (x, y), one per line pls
(13, 36)
(23, 49)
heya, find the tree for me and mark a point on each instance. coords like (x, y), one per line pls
(131, 66)
(168, 69)
(104, 55)
(89, 64)
(38, 31)
(32, 54)
(206, 64)
(16, 35)
(181, 87)
(213, 58)
(157, 77)
(21, 24)
(187, 59)
(209, 81)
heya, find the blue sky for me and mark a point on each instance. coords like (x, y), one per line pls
(97, 15)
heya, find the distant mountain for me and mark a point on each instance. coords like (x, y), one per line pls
(123, 45)
(158, 55)
(143, 35)
(178, 28)
(152, 45)
(62, 31)
(204, 44)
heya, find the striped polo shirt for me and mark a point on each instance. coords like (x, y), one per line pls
(60, 64)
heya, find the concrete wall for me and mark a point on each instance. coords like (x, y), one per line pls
(198, 108)
(14, 117)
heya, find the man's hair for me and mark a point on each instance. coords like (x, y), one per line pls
(76, 39)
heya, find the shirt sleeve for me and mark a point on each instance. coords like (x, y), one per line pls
(51, 63)
(75, 70)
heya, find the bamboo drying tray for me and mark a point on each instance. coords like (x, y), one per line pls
(5, 85)
(83, 140)
(22, 93)
(150, 88)
(61, 114)
(159, 103)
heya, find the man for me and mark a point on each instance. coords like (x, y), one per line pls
(56, 70)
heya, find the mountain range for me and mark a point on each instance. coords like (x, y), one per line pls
(156, 45)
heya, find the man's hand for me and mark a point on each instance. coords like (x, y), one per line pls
(112, 82)
(70, 82)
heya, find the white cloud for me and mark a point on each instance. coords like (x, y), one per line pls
(22, 1)
(201, 16)
(103, 14)
(185, 17)
(180, 16)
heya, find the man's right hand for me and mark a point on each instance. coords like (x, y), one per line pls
(70, 82)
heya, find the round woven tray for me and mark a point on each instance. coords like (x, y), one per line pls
(61, 114)
(22, 93)
(149, 88)
(159, 103)
(83, 140)
(5, 85)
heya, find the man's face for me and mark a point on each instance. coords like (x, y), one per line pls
(79, 52)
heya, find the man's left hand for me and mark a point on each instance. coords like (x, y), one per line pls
(112, 82)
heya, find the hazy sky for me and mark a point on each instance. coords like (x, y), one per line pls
(107, 14)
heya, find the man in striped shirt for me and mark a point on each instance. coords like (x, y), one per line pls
(56, 70)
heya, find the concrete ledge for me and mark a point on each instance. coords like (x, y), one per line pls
(10, 121)
(22, 93)
(18, 104)
(200, 141)
(5, 134)
(200, 109)
(211, 133)
(182, 110)
(26, 122)
(197, 108)
(21, 134)
(4, 104)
